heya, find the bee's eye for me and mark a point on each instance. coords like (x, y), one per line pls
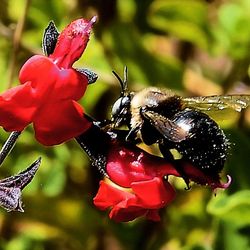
(121, 106)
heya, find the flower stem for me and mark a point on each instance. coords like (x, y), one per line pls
(8, 145)
(97, 140)
(16, 43)
(95, 143)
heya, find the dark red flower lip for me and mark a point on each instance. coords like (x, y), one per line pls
(222, 185)
(199, 177)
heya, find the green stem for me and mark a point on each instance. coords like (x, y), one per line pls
(16, 43)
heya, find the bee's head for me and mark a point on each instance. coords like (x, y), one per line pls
(121, 111)
(121, 108)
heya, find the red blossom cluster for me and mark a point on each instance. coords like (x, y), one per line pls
(138, 186)
(49, 90)
(136, 182)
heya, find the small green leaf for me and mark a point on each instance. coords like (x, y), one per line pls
(186, 20)
(234, 208)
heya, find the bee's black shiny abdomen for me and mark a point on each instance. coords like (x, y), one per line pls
(206, 145)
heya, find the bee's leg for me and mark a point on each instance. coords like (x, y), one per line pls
(103, 123)
(179, 168)
(100, 124)
(149, 134)
(132, 135)
(165, 150)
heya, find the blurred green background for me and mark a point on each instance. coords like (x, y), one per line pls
(194, 47)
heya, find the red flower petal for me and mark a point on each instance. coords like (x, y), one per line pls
(153, 193)
(199, 177)
(60, 122)
(123, 203)
(41, 72)
(70, 84)
(153, 215)
(108, 195)
(17, 107)
(124, 214)
(72, 42)
(50, 82)
(147, 197)
(131, 164)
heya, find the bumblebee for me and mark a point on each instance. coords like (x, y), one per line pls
(156, 115)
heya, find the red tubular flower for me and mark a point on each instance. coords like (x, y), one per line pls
(136, 182)
(138, 187)
(142, 199)
(50, 89)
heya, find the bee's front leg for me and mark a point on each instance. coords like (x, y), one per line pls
(166, 153)
(103, 123)
(132, 135)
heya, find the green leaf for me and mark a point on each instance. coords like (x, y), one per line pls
(238, 160)
(186, 20)
(230, 237)
(55, 180)
(232, 30)
(144, 66)
(234, 208)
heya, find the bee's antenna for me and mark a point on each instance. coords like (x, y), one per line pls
(123, 83)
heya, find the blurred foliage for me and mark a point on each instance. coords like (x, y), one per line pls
(194, 47)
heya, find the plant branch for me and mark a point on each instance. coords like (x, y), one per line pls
(8, 145)
(16, 43)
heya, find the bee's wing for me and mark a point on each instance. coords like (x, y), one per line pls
(219, 107)
(217, 102)
(169, 129)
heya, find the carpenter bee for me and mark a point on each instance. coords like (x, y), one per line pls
(156, 115)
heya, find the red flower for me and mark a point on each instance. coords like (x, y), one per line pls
(138, 186)
(136, 182)
(142, 199)
(49, 90)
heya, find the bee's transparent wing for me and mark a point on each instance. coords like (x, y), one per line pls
(219, 107)
(218, 103)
